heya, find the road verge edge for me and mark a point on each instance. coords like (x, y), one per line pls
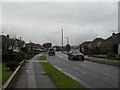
(103, 62)
(12, 78)
(61, 79)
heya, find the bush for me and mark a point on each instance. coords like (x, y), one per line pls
(115, 48)
(118, 56)
(96, 49)
(12, 65)
(20, 56)
(111, 54)
(68, 47)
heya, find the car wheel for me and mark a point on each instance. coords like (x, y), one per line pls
(71, 57)
(80, 59)
(68, 57)
(83, 58)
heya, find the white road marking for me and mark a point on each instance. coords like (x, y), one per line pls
(62, 56)
(74, 78)
(59, 55)
(71, 76)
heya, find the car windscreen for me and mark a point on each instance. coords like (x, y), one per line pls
(77, 52)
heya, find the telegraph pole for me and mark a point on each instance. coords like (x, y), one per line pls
(62, 40)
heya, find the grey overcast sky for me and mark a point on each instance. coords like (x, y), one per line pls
(42, 21)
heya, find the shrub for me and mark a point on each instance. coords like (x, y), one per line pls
(68, 47)
(111, 54)
(115, 48)
(118, 56)
(96, 49)
(12, 65)
(20, 56)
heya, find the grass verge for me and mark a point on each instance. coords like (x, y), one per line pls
(44, 53)
(42, 58)
(5, 75)
(66, 53)
(2, 65)
(60, 79)
(101, 61)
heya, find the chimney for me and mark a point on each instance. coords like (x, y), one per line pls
(113, 34)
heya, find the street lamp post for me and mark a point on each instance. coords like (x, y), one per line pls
(62, 40)
(67, 40)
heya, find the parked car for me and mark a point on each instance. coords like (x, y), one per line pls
(42, 50)
(75, 55)
(51, 52)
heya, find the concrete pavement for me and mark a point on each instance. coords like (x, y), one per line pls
(33, 75)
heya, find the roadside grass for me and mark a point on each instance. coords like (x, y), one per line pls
(101, 61)
(101, 56)
(44, 53)
(0, 75)
(66, 53)
(2, 65)
(5, 75)
(42, 58)
(108, 56)
(60, 79)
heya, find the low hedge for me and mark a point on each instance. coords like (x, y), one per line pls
(20, 56)
(12, 65)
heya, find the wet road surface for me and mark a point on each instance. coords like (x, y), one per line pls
(90, 74)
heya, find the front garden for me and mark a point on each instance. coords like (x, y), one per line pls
(109, 55)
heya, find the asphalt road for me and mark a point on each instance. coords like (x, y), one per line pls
(90, 74)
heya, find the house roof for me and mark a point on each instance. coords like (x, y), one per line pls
(97, 40)
(85, 43)
(33, 45)
(113, 39)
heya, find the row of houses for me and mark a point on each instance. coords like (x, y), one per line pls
(32, 46)
(106, 45)
(13, 45)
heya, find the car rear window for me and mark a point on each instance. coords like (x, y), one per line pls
(77, 52)
(51, 50)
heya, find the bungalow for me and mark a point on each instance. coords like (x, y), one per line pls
(32, 46)
(105, 44)
(119, 49)
(85, 47)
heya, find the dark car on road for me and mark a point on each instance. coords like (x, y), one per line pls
(75, 55)
(51, 52)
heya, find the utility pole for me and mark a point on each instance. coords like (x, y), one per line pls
(67, 40)
(62, 40)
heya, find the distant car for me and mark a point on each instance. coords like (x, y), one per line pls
(75, 55)
(41, 50)
(51, 52)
